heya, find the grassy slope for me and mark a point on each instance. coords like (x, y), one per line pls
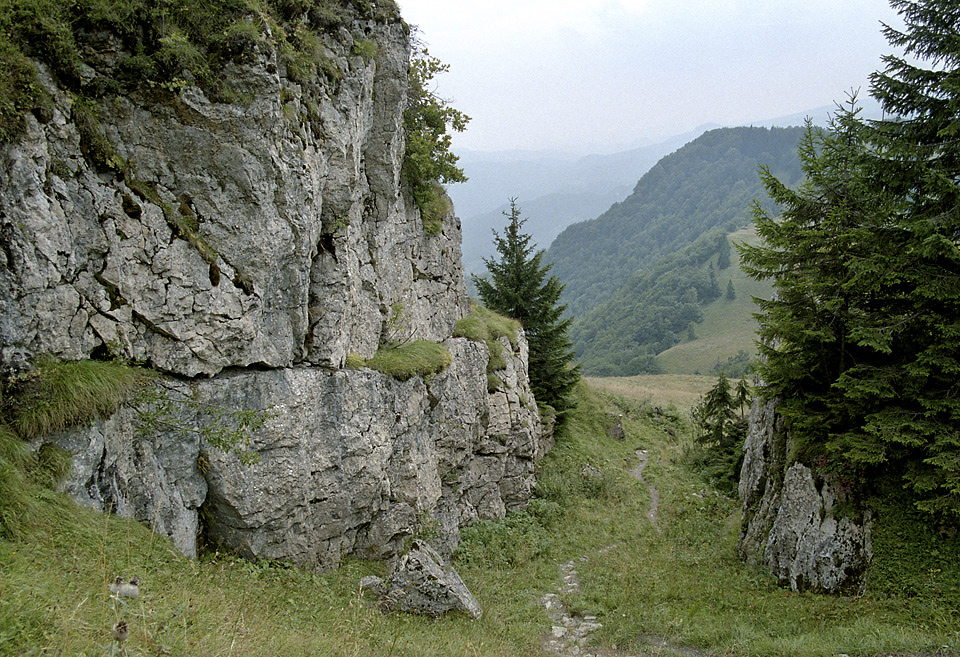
(683, 583)
(727, 327)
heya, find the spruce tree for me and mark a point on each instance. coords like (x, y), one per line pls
(862, 340)
(517, 286)
(916, 410)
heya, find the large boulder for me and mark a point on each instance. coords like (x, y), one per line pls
(421, 583)
(792, 522)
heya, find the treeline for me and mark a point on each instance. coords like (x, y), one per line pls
(654, 311)
(705, 185)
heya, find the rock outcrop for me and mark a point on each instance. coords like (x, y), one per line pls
(246, 250)
(236, 235)
(791, 522)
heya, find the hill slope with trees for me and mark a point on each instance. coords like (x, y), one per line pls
(707, 184)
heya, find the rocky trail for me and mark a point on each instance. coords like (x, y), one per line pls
(570, 633)
(637, 472)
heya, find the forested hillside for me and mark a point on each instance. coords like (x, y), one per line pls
(653, 311)
(707, 184)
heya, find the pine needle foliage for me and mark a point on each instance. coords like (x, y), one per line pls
(862, 341)
(517, 286)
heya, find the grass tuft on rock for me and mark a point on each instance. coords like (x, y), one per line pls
(420, 358)
(485, 325)
(58, 395)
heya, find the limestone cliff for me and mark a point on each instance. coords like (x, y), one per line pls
(792, 523)
(247, 248)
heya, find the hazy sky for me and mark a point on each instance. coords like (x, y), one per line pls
(610, 74)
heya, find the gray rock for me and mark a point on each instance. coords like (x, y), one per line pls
(355, 461)
(615, 427)
(374, 584)
(153, 478)
(304, 245)
(422, 584)
(248, 249)
(789, 524)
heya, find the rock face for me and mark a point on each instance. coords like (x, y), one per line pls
(790, 521)
(153, 478)
(247, 250)
(237, 235)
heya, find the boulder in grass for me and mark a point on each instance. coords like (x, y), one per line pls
(422, 583)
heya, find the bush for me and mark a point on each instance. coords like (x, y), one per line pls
(428, 160)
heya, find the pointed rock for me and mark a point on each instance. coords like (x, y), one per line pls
(422, 584)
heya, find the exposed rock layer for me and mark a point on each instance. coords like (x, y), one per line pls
(791, 522)
(248, 250)
(237, 235)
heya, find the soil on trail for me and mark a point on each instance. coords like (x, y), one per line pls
(654, 495)
(570, 633)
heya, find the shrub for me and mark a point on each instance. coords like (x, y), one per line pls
(428, 160)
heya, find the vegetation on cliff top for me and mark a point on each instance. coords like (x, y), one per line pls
(428, 160)
(100, 48)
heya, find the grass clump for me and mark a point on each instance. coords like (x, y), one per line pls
(434, 205)
(365, 48)
(419, 358)
(20, 91)
(52, 397)
(485, 325)
(57, 395)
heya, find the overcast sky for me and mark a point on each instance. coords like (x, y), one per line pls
(606, 75)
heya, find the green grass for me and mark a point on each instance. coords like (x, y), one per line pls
(419, 358)
(57, 395)
(682, 585)
(727, 327)
(53, 396)
(485, 325)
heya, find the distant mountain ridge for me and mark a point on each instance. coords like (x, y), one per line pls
(707, 184)
(553, 190)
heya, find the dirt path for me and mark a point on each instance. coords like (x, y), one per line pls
(654, 495)
(570, 633)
